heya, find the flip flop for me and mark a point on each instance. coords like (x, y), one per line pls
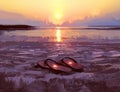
(57, 68)
(69, 62)
(41, 64)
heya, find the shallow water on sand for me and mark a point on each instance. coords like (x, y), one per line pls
(65, 34)
(100, 61)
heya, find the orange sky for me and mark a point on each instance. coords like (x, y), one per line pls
(59, 11)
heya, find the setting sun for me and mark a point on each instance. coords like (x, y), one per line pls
(58, 16)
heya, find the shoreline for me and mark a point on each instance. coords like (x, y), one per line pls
(29, 27)
(16, 27)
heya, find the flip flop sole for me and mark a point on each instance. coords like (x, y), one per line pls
(69, 62)
(42, 65)
(56, 68)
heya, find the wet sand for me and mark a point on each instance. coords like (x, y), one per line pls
(101, 63)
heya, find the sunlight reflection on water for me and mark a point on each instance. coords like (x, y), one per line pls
(58, 35)
(61, 35)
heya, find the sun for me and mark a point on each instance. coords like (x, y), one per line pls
(58, 16)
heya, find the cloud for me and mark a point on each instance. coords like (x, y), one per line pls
(112, 18)
(15, 18)
(107, 19)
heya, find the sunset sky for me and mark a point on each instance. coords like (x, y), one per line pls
(60, 11)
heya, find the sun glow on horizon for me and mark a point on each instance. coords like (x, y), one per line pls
(59, 11)
(58, 16)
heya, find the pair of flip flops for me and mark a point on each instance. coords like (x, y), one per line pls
(65, 66)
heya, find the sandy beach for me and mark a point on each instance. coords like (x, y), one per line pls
(101, 63)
